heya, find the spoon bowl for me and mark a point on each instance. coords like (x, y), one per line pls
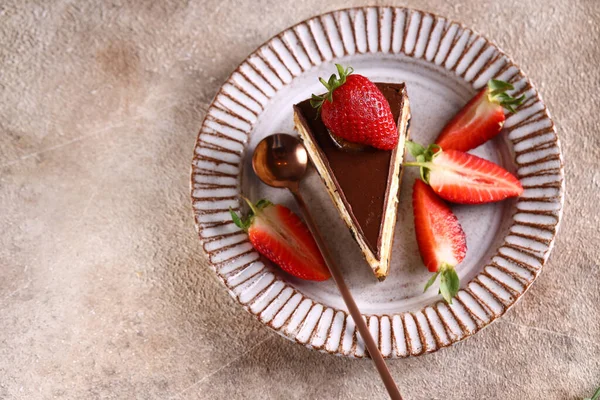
(280, 160)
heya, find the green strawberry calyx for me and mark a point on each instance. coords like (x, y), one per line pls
(424, 156)
(449, 282)
(255, 209)
(496, 93)
(333, 83)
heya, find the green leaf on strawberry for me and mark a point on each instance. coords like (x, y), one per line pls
(414, 148)
(238, 221)
(244, 224)
(423, 156)
(449, 283)
(497, 94)
(431, 281)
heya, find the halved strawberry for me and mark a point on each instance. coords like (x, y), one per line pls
(442, 242)
(481, 119)
(461, 177)
(355, 110)
(281, 236)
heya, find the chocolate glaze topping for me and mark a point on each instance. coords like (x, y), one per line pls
(363, 176)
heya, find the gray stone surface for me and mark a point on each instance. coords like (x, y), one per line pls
(104, 291)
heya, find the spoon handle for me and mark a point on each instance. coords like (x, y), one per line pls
(374, 352)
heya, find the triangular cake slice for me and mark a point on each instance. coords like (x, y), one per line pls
(363, 184)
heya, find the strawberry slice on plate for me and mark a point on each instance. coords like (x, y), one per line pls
(281, 236)
(355, 110)
(481, 119)
(441, 239)
(461, 177)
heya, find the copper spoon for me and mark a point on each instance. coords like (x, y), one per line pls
(280, 161)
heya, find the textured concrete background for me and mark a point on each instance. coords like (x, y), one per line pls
(104, 291)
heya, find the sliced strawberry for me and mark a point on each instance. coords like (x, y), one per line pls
(463, 178)
(481, 119)
(442, 242)
(355, 110)
(281, 236)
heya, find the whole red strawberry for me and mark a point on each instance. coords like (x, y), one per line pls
(278, 234)
(355, 110)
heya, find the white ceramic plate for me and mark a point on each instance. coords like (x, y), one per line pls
(443, 64)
